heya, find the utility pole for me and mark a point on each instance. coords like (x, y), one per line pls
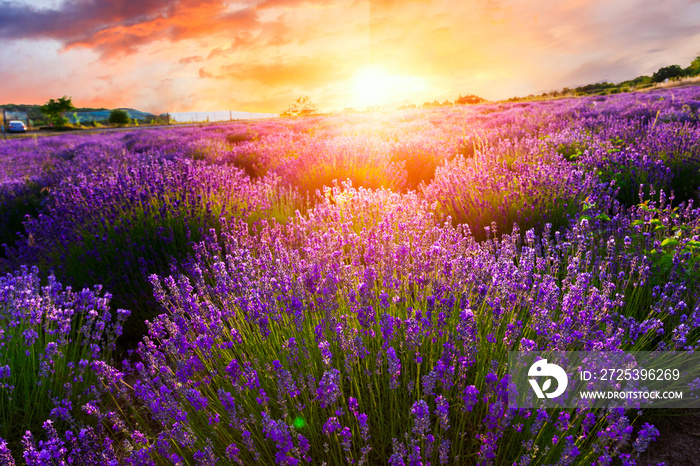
(4, 123)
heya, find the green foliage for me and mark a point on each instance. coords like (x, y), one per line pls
(637, 82)
(571, 151)
(54, 110)
(694, 68)
(594, 88)
(667, 72)
(119, 117)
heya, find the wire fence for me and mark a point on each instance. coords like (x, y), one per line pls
(211, 117)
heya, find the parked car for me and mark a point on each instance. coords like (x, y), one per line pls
(16, 126)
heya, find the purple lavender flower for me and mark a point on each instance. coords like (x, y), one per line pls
(470, 397)
(326, 354)
(206, 457)
(399, 453)
(414, 458)
(352, 404)
(6, 458)
(345, 439)
(329, 388)
(570, 451)
(394, 367)
(528, 345)
(364, 427)
(442, 411)
(262, 398)
(331, 425)
(422, 418)
(304, 446)
(396, 460)
(234, 371)
(647, 434)
(281, 434)
(196, 399)
(444, 451)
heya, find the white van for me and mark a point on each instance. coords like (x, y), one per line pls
(16, 126)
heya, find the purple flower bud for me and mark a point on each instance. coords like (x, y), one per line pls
(422, 417)
(470, 397)
(329, 388)
(331, 425)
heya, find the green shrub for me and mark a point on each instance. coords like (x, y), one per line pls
(119, 117)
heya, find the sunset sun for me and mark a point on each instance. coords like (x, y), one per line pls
(371, 86)
(374, 86)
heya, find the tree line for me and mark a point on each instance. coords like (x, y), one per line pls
(671, 72)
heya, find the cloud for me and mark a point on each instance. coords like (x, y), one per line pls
(268, 4)
(205, 74)
(192, 59)
(74, 18)
(308, 73)
(609, 69)
(119, 27)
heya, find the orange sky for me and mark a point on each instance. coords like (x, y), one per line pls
(259, 56)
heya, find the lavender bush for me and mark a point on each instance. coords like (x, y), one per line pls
(51, 339)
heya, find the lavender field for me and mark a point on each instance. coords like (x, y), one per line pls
(342, 289)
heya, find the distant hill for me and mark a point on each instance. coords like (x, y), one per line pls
(79, 115)
(31, 108)
(102, 115)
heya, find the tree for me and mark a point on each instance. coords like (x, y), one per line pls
(694, 68)
(301, 107)
(119, 117)
(470, 99)
(54, 110)
(667, 72)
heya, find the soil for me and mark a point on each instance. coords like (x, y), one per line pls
(679, 440)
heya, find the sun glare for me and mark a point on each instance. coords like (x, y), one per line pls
(373, 86)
